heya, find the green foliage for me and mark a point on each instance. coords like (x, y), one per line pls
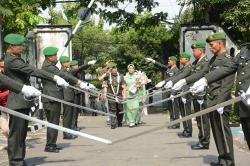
(20, 16)
(131, 45)
(232, 15)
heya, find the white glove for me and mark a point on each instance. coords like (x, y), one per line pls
(220, 110)
(246, 99)
(160, 84)
(60, 81)
(150, 60)
(91, 86)
(199, 86)
(30, 91)
(168, 85)
(84, 85)
(92, 62)
(171, 96)
(179, 84)
(184, 100)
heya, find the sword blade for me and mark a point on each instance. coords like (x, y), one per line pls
(207, 110)
(53, 126)
(77, 106)
(170, 98)
(92, 92)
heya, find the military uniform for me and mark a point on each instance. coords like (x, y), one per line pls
(18, 70)
(200, 66)
(68, 95)
(78, 94)
(173, 106)
(115, 107)
(10, 84)
(217, 92)
(185, 108)
(53, 108)
(241, 65)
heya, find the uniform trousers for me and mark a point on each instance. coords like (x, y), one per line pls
(16, 140)
(52, 110)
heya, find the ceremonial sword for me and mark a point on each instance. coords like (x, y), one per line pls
(92, 92)
(53, 126)
(205, 111)
(146, 95)
(170, 98)
(161, 101)
(208, 110)
(77, 106)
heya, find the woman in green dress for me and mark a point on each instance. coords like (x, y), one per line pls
(133, 85)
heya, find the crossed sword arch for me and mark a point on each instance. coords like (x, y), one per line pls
(92, 137)
(84, 14)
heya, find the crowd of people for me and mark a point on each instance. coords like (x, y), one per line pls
(209, 82)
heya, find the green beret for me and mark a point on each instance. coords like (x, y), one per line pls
(73, 63)
(64, 59)
(50, 51)
(113, 65)
(199, 44)
(172, 58)
(185, 55)
(14, 39)
(216, 36)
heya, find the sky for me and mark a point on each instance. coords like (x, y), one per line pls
(169, 6)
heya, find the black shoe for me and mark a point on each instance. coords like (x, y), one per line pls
(185, 135)
(76, 128)
(69, 137)
(25, 164)
(215, 164)
(51, 149)
(181, 133)
(175, 127)
(170, 127)
(199, 147)
(119, 124)
(59, 147)
(113, 126)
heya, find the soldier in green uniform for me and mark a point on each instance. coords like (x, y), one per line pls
(68, 95)
(184, 101)
(173, 105)
(77, 70)
(241, 65)
(53, 108)
(217, 92)
(18, 70)
(200, 65)
(117, 87)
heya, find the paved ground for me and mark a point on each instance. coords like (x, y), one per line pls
(147, 145)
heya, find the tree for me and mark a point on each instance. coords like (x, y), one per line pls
(112, 12)
(232, 15)
(140, 40)
(20, 16)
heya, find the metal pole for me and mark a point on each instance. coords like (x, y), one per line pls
(83, 17)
